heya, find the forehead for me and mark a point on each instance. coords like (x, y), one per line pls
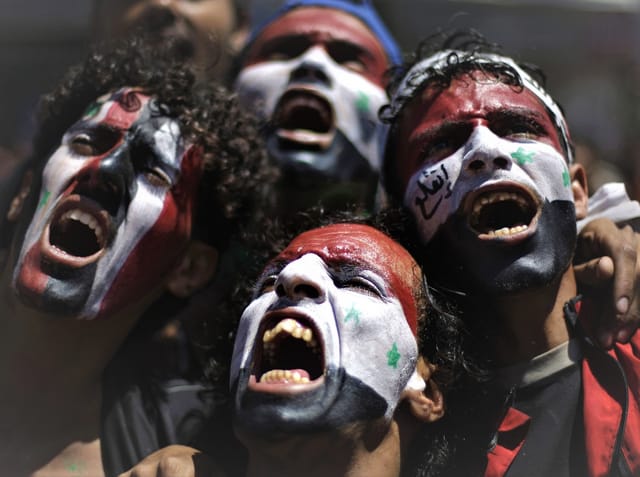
(118, 109)
(354, 244)
(321, 24)
(473, 99)
(365, 247)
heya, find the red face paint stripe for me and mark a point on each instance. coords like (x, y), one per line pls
(121, 115)
(31, 275)
(163, 244)
(369, 248)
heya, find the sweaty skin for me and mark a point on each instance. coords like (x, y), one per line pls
(480, 141)
(349, 288)
(115, 209)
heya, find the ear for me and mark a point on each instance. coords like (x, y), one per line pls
(195, 270)
(426, 401)
(17, 203)
(580, 190)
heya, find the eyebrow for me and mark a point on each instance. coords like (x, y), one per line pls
(447, 126)
(516, 113)
(450, 126)
(274, 43)
(354, 46)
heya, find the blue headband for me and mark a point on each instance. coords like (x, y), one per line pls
(362, 9)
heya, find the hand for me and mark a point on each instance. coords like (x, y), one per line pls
(175, 461)
(608, 275)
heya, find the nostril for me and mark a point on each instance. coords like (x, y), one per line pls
(306, 290)
(501, 162)
(309, 72)
(280, 291)
(476, 165)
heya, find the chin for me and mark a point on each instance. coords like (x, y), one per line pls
(338, 401)
(457, 259)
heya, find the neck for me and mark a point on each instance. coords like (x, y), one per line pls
(375, 453)
(531, 322)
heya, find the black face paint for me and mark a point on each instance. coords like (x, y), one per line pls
(458, 260)
(341, 400)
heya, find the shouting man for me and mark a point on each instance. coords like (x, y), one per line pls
(326, 352)
(315, 71)
(480, 154)
(136, 184)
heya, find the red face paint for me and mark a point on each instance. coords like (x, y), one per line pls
(345, 39)
(436, 123)
(163, 244)
(365, 247)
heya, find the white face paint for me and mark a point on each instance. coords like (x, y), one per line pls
(354, 99)
(435, 192)
(125, 204)
(362, 327)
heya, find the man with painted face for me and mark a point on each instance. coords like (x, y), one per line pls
(137, 183)
(480, 154)
(205, 33)
(326, 352)
(315, 71)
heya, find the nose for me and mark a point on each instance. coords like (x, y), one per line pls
(301, 279)
(111, 180)
(311, 69)
(485, 153)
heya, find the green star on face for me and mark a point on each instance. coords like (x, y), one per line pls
(522, 157)
(44, 199)
(352, 314)
(393, 356)
(362, 103)
(92, 110)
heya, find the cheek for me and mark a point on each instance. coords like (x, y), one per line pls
(549, 173)
(260, 85)
(432, 195)
(60, 168)
(377, 345)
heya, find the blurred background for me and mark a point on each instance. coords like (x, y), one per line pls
(590, 50)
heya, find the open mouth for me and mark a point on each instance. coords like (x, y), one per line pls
(503, 213)
(78, 232)
(303, 118)
(288, 354)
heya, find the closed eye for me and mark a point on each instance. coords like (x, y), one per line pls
(93, 141)
(266, 285)
(361, 285)
(157, 177)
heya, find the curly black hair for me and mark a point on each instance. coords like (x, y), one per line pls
(470, 43)
(238, 174)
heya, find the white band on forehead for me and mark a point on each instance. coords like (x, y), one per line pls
(420, 73)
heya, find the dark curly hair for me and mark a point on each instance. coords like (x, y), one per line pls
(237, 171)
(470, 43)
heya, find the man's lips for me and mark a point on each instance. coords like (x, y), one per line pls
(507, 212)
(77, 234)
(288, 354)
(304, 118)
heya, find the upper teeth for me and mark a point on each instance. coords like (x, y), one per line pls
(292, 328)
(494, 197)
(86, 219)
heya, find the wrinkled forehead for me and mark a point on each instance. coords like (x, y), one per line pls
(366, 248)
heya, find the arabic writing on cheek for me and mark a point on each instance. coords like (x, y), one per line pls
(433, 183)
